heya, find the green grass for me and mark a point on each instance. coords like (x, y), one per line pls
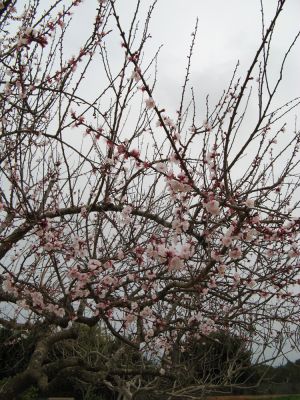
(289, 397)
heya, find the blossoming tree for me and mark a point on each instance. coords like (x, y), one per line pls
(152, 223)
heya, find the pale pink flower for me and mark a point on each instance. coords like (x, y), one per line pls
(251, 283)
(131, 277)
(146, 312)
(176, 263)
(177, 136)
(23, 304)
(207, 125)
(250, 203)
(135, 153)
(150, 274)
(256, 219)
(107, 280)
(150, 251)
(293, 253)
(213, 207)
(74, 272)
(226, 240)
(180, 225)
(129, 319)
(37, 299)
(179, 187)
(161, 167)
(168, 121)
(94, 264)
(235, 253)
(187, 251)
(221, 269)
(120, 254)
(162, 250)
(212, 283)
(127, 210)
(150, 103)
(215, 255)
(9, 286)
(150, 332)
(101, 305)
(136, 76)
(60, 312)
(185, 225)
(7, 88)
(108, 265)
(250, 234)
(174, 158)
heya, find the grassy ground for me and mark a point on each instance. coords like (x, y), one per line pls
(262, 397)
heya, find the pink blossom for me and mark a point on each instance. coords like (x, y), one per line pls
(168, 121)
(180, 225)
(37, 299)
(9, 287)
(237, 277)
(293, 253)
(251, 282)
(161, 167)
(250, 234)
(174, 158)
(150, 103)
(212, 283)
(107, 280)
(187, 251)
(151, 252)
(250, 203)
(235, 253)
(162, 250)
(120, 254)
(150, 332)
(127, 210)
(213, 207)
(221, 269)
(177, 136)
(207, 125)
(226, 240)
(175, 264)
(179, 187)
(94, 264)
(23, 304)
(73, 272)
(134, 153)
(255, 219)
(146, 312)
(136, 75)
(129, 319)
(216, 256)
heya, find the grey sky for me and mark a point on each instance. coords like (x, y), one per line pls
(228, 31)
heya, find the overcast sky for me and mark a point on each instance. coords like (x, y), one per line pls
(228, 31)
